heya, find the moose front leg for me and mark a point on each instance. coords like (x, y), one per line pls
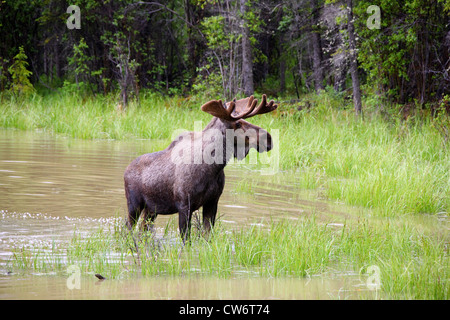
(209, 215)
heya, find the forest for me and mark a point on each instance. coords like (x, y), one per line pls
(393, 52)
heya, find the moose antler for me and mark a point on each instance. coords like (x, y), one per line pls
(240, 109)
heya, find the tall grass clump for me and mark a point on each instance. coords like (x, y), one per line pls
(412, 264)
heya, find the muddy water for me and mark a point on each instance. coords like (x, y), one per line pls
(53, 287)
(51, 185)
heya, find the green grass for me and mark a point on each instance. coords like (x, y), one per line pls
(412, 264)
(391, 166)
(245, 186)
(395, 168)
(98, 117)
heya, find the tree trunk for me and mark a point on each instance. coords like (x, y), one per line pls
(191, 44)
(247, 62)
(317, 47)
(282, 75)
(353, 60)
(57, 61)
(282, 65)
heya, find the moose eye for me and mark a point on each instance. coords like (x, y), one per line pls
(238, 125)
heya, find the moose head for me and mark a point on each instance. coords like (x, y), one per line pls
(232, 117)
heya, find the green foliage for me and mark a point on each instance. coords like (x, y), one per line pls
(20, 84)
(3, 73)
(80, 61)
(441, 122)
(446, 5)
(82, 64)
(208, 83)
(214, 30)
(409, 30)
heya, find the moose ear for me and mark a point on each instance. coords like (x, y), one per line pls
(217, 109)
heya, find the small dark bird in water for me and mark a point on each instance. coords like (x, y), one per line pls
(99, 276)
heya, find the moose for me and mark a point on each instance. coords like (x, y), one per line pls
(189, 173)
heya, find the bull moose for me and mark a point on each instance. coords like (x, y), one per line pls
(189, 173)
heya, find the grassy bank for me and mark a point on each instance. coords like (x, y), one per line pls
(393, 166)
(411, 265)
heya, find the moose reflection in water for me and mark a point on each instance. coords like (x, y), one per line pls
(189, 174)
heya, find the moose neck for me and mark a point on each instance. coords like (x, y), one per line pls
(214, 146)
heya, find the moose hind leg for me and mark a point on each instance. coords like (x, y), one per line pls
(134, 209)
